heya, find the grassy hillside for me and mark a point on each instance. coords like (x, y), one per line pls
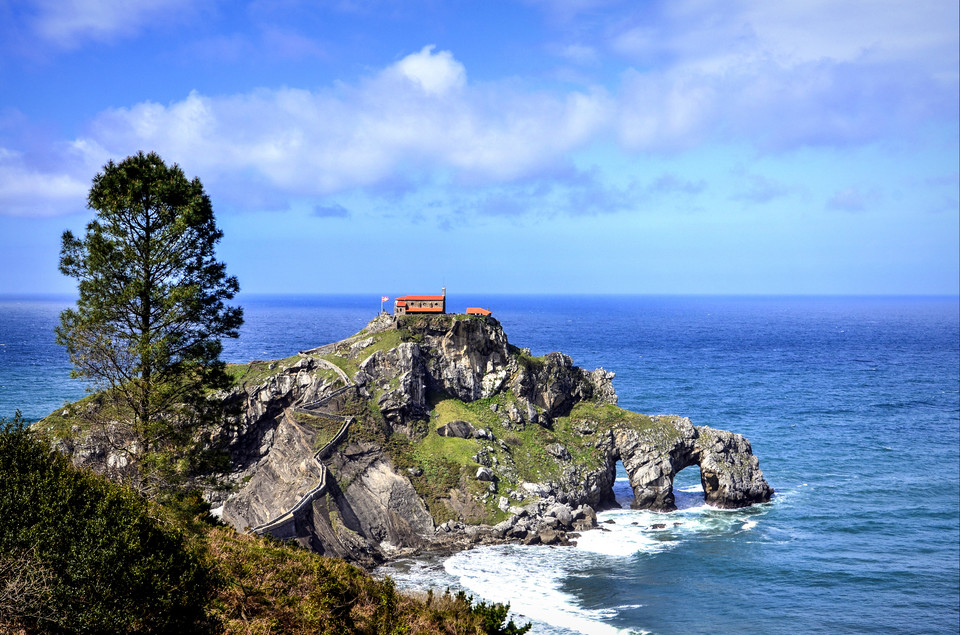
(80, 554)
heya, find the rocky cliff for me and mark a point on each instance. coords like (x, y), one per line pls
(455, 437)
(426, 432)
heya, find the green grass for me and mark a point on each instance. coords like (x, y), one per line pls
(447, 410)
(326, 428)
(439, 465)
(527, 360)
(87, 413)
(383, 341)
(526, 458)
(448, 462)
(454, 450)
(345, 364)
(256, 372)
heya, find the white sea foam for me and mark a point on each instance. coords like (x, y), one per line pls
(529, 579)
(624, 532)
(627, 532)
(422, 574)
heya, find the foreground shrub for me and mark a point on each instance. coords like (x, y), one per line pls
(79, 554)
(271, 587)
(87, 552)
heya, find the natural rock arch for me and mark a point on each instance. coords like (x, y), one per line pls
(729, 472)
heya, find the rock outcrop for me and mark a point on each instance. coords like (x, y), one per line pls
(729, 472)
(456, 438)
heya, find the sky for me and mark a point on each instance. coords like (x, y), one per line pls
(537, 146)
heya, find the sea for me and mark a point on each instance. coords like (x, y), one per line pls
(850, 403)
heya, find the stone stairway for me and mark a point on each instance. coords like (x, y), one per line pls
(276, 525)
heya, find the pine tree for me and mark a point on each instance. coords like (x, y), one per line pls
(152, 310)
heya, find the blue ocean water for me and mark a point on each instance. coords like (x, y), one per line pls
(851, 404)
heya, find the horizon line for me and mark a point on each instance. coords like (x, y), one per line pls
(359, 294)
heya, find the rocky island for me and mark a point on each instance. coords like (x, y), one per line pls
(433, 432)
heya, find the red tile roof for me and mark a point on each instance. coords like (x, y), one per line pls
(436, 298)
(475, 310)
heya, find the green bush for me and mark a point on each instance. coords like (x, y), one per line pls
(107, 566)
(493, 617)
(272, 587)
(79, 554)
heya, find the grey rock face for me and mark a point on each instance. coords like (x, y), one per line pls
(485, 474)
(401, 373)
(388, 510)
(558, 452)
(369, 509)
(729, 471)
(602, 381)
(287, 473)
(555, 385)
(459, 429)
(467, 352)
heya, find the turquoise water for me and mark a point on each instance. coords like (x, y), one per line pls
(851, 404)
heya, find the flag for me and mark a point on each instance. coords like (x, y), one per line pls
(384, 299)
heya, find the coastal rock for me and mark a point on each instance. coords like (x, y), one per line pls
(467, 352)
(543, 450)
(549, 537)
(485, 474)
(554, 384)
(729, 471)
(652, 460)
(562, 513)
(287, 473)
(558, 452)
(401, 374)
(458, 429)
(385, 505)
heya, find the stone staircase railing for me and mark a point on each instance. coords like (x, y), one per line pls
(310, 407)
(320, 488)
(290, 514)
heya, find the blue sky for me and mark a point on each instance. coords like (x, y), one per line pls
(685, 146)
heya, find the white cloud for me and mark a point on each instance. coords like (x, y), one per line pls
(30, 191)
(67, 23)
(712, 36)
(435, 74)
(665, 111)
(416, 115)
(881, 30)
(781, 74)
(773, 75)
